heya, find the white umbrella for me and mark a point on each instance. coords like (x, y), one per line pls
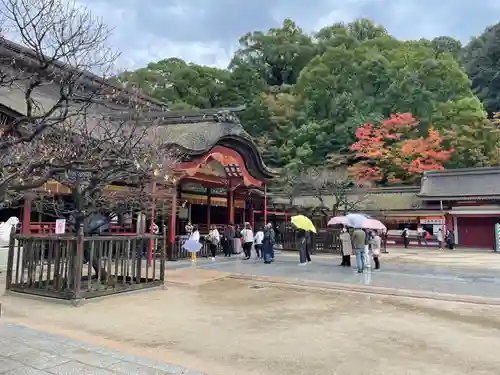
(356, 220)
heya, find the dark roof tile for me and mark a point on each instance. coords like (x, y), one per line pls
(461, 183)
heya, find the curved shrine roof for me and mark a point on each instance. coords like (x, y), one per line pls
(195, 133)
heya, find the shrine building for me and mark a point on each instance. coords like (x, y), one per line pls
(220, 178)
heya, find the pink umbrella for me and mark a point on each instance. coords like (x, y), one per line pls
(339, 220)
(373, 224)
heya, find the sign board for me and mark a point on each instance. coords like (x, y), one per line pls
(497, 237)
(60, 226)
(432, 220)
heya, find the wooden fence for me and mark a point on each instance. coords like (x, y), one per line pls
(76, 267)
(325, 241)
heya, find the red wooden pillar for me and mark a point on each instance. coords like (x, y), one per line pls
(251, 215)
(209, 207)
(230, 206)
(172, 223)
(25, 224)
(265, 204)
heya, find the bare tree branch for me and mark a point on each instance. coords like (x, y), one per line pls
(46, 80)
(333, 187)
(89, 154)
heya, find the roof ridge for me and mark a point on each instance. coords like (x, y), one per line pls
(462, 171)
(20, 49)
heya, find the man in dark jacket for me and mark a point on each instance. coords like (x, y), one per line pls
(229, 240)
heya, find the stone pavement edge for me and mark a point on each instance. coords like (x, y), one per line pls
(25, 351)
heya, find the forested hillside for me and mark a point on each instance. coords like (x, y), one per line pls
(307, 94)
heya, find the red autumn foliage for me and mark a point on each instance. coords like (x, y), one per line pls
(394, 151)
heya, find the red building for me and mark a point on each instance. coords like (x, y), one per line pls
(470, 199)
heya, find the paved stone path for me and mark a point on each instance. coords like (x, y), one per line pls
(24, 351)
(421, 277)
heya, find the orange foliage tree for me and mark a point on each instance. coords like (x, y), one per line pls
(393, 150)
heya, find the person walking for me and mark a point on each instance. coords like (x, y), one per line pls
(426, 237)
(346, 249)
(259, 237)
(439, 237)
(358, 242)
(213, 239)
(406, 237)
(247, 236)
(376, 243)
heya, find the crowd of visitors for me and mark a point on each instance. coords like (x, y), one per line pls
(366, 245)
(234, 240)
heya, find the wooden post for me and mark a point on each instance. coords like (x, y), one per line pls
(172, 222)
(209, 207)
(230, 206)
(163, 253)
(10, 258)
(25, 224)
(265, 204)
(251, 215)
(152, 225)
(78, 263)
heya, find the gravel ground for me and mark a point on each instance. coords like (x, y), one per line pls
(228, 327)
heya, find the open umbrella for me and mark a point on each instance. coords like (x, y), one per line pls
(356, 220)
(303, 222)
(338, 220)
(192, 246)
(374, 224)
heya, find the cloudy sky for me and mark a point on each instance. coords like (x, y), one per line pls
(206, 31)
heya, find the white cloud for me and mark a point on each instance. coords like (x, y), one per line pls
(206, 31)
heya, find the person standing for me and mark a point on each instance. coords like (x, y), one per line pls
(229, 238)
(247, 236)
(213, 240)
(406, 237)
(195, 236)
(301, 235)
(346, 250)
(439, 237)
(308, 246)
(272, 234)
(366, 254)
(237, 248)
(259, 237)
(358, 242)
(376, 243)
(268, 244)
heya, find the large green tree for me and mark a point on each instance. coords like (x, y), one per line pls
(481, 59)
(367, 78)
(306, 94)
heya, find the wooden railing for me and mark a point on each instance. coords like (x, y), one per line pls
(325, 241)
(78, 267)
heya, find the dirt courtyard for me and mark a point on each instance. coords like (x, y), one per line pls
(228, 327)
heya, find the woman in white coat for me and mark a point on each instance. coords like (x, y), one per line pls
(376, 243)
(345, 238)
